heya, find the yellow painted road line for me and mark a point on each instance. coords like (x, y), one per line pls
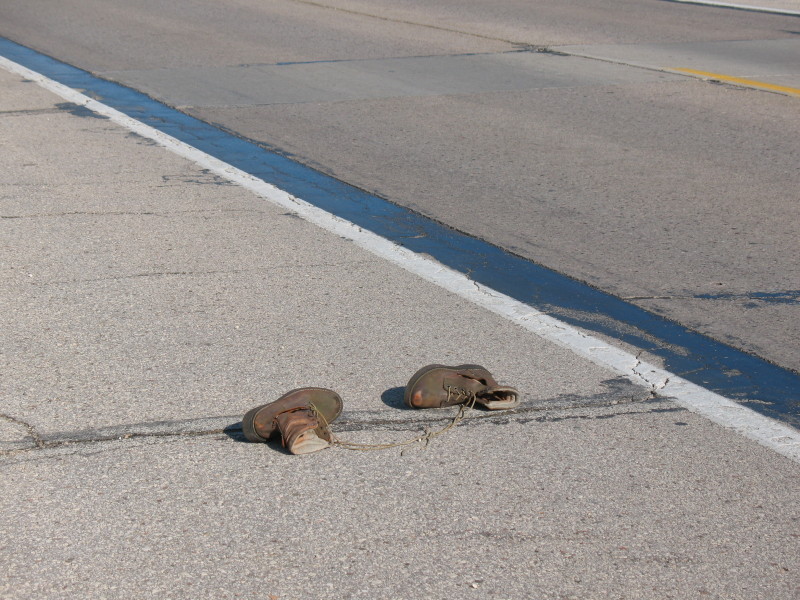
(741, 81)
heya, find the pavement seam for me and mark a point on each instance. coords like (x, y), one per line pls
(520, 44)
(414, 23)
(398, 57)
(710, 80)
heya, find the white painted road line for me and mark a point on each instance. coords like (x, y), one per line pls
(767, 9)
(768, 432)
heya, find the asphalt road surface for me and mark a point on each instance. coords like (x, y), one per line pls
(673, 192)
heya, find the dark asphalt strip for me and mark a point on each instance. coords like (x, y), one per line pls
(750, 380)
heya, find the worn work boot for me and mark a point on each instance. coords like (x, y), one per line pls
(301, 416)
(435, 386)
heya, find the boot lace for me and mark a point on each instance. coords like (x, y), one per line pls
(457, 395)
(423, 438)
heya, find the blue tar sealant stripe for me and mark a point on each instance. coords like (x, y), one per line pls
(749, 380)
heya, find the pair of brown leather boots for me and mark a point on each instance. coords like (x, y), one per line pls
(303, 416)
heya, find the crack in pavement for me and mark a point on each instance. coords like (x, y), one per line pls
(782, 297)
(552, 410)
(81, 214)
(30, 429)
(655, 386)
(522, 45)
(31, 111)
(526, 46)
(167, 214)
(200, 273)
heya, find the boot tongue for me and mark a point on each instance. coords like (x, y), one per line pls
(301, 431)
(498, 397)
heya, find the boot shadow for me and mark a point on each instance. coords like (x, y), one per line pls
(393, 398)
(234, 432)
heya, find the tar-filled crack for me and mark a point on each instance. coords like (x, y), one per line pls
(205, 273)
(478, 417)
(30, 429)
(63, 443)
(521, 415)
(779, 297)
(152, 274)
(134, 213)
(28, 112)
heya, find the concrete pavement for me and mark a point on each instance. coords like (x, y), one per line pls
(147, 304)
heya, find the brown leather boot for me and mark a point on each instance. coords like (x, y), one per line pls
(301, 416)
(435, 386)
